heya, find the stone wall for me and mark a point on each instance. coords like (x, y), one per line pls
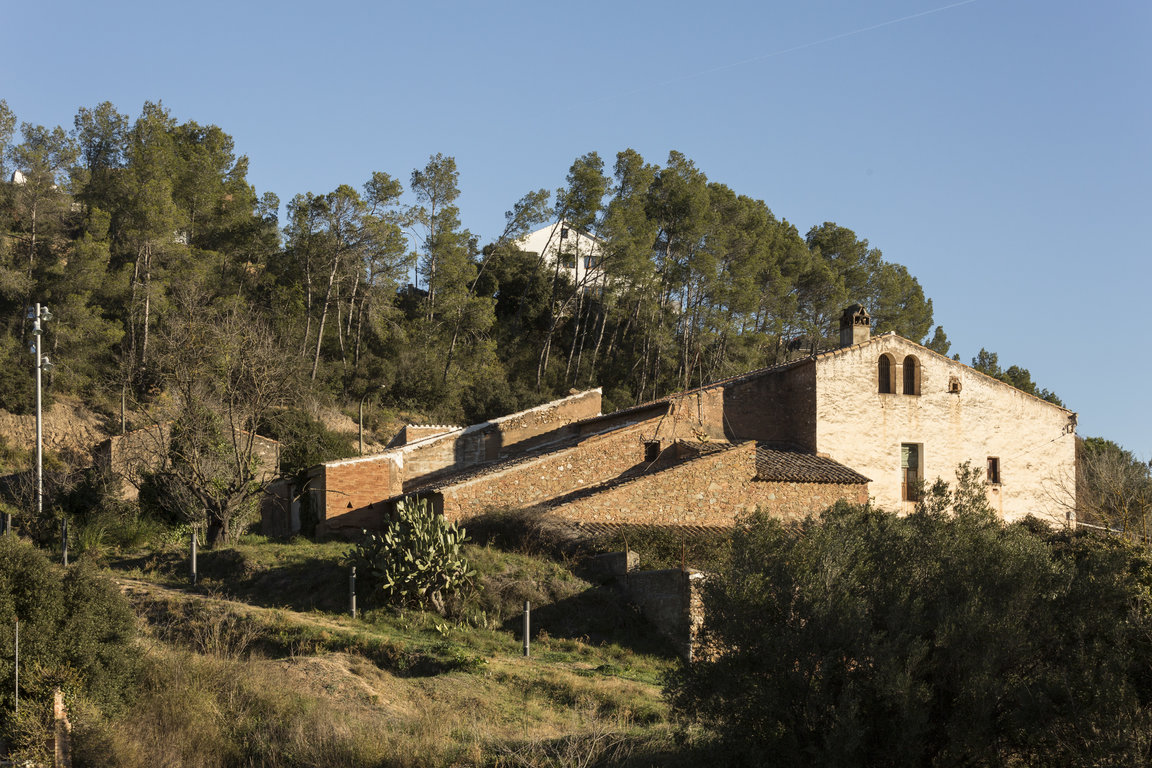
(710, 491)
(777, 406)
(666, 599)
(131, 455)
(344, 493)
(596, 459)
(960, 415)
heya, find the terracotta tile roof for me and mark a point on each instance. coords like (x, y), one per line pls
(798, 467)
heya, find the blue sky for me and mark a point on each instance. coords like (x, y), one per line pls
(1000, 149)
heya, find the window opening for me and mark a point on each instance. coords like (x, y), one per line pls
(993, 474)
(910, 471)
(884, 371)
(651, 451)
(911, 376)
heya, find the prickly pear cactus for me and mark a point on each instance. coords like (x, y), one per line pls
(417, 562)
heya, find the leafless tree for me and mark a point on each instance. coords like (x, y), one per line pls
(225, 373)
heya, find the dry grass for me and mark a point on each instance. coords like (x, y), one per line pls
(338, 710)
(228, 683)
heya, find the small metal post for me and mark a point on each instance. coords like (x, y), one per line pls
(17, 666)
(64, 540)
(527, 614)
(192, 564)
(352, 591)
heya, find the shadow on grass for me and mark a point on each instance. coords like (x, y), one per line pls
(598, 616)
(313, 583)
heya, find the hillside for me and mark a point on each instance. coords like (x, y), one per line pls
(224, 677)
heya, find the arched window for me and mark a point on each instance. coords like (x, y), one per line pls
(911, 376)
(884, 373)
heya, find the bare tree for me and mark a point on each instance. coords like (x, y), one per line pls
(225, 374)
(1114, 488)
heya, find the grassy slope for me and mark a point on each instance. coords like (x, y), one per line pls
(258, 666)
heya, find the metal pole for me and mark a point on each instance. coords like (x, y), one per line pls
(193, 563)
(36, 331)
(362, 423)
(17, 666)
(352, 591)
(527, 613)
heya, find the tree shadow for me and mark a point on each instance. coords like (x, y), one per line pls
(598, 616)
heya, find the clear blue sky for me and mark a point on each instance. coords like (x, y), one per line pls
(1000, 149)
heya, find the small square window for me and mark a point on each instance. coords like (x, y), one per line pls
(651, 451)
(993, 470)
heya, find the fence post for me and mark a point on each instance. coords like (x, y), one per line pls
(527, 613)
(352, 591)
(62, 733)
(194, 545)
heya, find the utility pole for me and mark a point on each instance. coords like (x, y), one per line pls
(42, 315)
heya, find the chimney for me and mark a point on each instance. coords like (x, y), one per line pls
(855, 325)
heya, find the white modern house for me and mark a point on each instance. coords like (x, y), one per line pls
(578, 252)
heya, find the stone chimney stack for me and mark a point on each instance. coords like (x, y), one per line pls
(855, 325)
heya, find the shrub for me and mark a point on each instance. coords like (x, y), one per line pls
(940, 638)
(417, 561)
(76, 632)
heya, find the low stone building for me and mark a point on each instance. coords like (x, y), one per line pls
(130, 456)
(875, 419)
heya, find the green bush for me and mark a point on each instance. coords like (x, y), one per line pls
(76, 633)
(862, 638)
(417, 561)
(304, 440)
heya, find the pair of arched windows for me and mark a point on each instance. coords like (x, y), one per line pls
(886, 370)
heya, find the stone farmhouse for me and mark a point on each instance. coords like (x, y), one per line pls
(876, 419)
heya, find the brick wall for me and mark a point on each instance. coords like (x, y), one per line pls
(710, 490)
(414, 432)
(352, 486)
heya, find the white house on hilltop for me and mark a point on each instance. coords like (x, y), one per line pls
(578, 252)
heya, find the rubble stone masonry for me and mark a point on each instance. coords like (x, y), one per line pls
(594, 460)
(959, 415)
(707, 491)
